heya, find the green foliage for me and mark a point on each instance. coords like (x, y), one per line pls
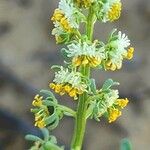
(108, 84)
(48, 142)
(93, 86)
(125, 145)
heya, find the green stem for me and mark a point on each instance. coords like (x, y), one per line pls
(68, 110)
(80, 122)
(80, 117)
(90, 24)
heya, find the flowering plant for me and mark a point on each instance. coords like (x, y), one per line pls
(81, 54)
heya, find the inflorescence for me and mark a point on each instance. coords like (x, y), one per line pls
(80, 52)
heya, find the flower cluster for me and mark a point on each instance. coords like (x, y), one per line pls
(66, 20)
(109, 56)
(107, 103)
(84, 3)
(116, 50)
(115, 111)
(60, 18)
(41, 112)
(68, 82)
(109, 10)
(83, 53)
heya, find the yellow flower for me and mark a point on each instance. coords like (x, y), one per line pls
(122, 102)
(40, 123)
(73, 93)
(113, 114)
(77, 61)
(59, 17)
(94, 62)
(115, 11)
(65, 24)
(37, 101)
(38, 117)
(85, 60)
(59, 39)
(108, 63)
(84, 3)
(62, 92)
(58, 88)
(111, 66)
(52, 85)
(79, 92)
(67, 88)
(130, 53)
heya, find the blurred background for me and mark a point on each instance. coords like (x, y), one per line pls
(27, 50)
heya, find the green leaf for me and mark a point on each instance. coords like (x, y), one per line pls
(64, 53)
(33, 138)
(52, 99)
(89, 110)
(108, 84)
(49, 103)
(53, 139)
(35, 110)
(125, 145)
(51, 118)
(56, 67)
(67, 114)
(54, 124)
(112, 34)
(45, 134)
(93, 85)
(51, 146)
(48, 93)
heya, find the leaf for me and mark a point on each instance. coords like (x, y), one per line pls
(64, 53)
(112, 33)
(33, 138)
(125, 145)
(35, 110)
(49, 103)
(52, 99)
(51, 119)
(56, 67)
(108, 84)
(54, 124)
(53, 139)
(89, 110)
(49, 93)
(93, 85)
(45, 134)
(51, 146)
(67, 114)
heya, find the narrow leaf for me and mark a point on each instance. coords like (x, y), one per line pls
(47, 92)
(32, 138)
(125, 145)
(108, 84)
(45, 134)
(93, 85)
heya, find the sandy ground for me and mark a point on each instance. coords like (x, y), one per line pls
(28, 50)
